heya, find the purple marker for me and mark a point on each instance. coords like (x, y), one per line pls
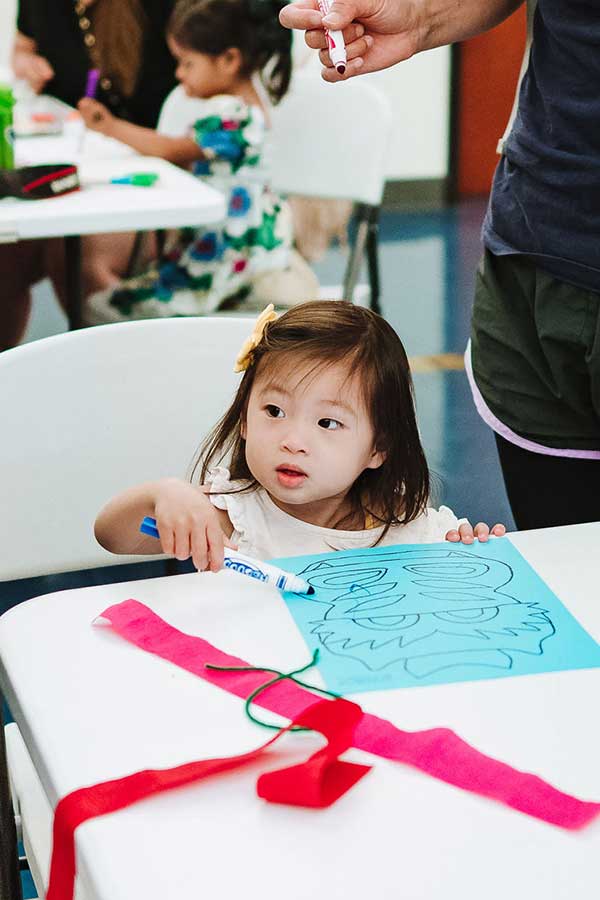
(91, 86)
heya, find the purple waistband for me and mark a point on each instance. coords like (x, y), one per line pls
(504, 431)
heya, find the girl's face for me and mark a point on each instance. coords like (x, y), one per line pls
(308, 438)
(203, 75)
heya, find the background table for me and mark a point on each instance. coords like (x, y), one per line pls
(92, 707)
(177, 200)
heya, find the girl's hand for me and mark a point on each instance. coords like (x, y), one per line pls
(95, 115)
(467, 534)
(189, 525)
(32, 68)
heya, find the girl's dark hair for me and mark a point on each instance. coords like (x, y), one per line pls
(324, 333)
(213, 26)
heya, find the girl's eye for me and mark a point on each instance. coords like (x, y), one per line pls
(274, 411)
(330, 424)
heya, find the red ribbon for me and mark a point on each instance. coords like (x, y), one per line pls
(319, 781)
(316, 783)
(438, 752)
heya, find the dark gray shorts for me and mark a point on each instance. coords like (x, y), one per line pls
(535, 355)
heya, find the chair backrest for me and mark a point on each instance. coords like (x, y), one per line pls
(87, 413)
(330, 140)
(179, 112)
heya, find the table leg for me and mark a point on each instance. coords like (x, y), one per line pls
(10, 878)
(73, 280)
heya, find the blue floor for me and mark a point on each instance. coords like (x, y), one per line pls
(428, 261)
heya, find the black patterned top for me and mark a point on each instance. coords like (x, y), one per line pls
(53, 25)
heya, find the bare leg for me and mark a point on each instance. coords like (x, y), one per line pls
(104, 261)
(106, 258)
(20, 267)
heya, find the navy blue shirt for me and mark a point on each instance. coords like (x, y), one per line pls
(545, 200)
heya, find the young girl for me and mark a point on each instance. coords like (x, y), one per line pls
(228, 52)
(322, 447)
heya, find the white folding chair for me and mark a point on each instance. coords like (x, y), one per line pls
(330, 141)
(84, 415)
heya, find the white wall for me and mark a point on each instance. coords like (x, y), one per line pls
(7, 24)
(419, 92)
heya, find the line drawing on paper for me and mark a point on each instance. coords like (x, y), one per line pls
(424, 610)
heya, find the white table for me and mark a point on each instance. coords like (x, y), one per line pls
(92, 707)
(177, 200)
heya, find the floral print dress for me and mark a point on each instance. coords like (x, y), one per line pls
(212, 264)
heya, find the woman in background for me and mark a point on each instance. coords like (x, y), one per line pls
(58, 43)
(55, 46)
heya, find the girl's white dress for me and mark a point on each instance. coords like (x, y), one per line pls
(263, 530)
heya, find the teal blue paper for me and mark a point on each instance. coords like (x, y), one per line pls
(419, 614)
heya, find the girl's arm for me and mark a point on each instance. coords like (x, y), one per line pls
(188, 523)
(179, 150)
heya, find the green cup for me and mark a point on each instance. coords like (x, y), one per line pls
(7, 102)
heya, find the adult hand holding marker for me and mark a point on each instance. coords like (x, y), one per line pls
(377, 33)
(335, 42)
(246, 565)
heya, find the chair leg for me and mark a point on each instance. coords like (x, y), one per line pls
(356, 253)
(161, 240)
(73, 287)
(138, 245)
(373, 260)
(10, 878)
(134, 256)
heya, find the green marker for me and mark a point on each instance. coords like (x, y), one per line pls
(138, 179)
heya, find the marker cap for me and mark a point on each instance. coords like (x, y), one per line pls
(338, 58)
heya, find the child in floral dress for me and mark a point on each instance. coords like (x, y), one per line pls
(223, 47)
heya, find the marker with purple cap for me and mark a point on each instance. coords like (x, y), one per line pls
(91, 85)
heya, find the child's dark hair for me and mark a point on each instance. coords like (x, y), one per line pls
(213, 26)
(324, 333)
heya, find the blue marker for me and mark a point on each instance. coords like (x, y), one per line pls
(245, 565)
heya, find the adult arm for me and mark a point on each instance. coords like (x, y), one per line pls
(381, 33)
(28, 64)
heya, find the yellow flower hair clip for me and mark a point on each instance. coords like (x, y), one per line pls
(244, 357)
